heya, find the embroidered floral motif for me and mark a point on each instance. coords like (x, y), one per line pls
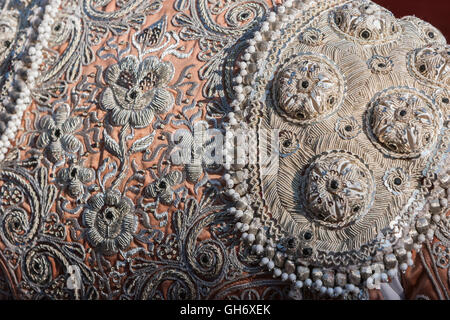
(380, 64)
(338, 188)
(312, 37)
(10, 195)
(288, 143)
(365, 22)
(57, 134)
(110, 221)
(405, 123)
(433, 63)
(309, 89)
(348, 128)
(163, 187)
(74, 178)
(136, 91)
(396, 180)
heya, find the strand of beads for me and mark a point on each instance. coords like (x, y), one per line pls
(27, 71)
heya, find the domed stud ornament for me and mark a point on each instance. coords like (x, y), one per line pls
(354, 149)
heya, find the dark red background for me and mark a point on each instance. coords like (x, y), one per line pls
(436, 12)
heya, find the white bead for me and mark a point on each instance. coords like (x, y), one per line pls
(270, 265)
(284, 276)
(308, 282)
(421, 238)
(292, 277)
(264, 261)
(251, 238)
(318, 283)
(259, 249)
(330, 292)
(258, 36)
(299, 284)
(338, 291)
(277, 272)
(392, 273)
(403, 266)
(32, 51)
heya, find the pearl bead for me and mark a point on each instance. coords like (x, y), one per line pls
(392, 273)
(264, 261)
(330, 292)
(308, 282)
(292, 277)
(259, 249)
(318, 283)
(270, 265)
(421, 238)
(277, 272)
(299, 284)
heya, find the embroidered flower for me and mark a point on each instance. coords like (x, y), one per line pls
(73, 179)
(289, 143)
(396, 180)
(137, 90)
(110, 221)
(10, 195)
(162, 188)
(312, 37)
(57, 134)
(380, 64)
(348, 128)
